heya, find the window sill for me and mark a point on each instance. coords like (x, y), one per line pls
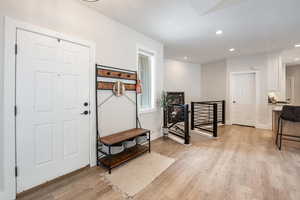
(145, 111)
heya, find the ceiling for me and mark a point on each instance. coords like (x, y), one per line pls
(188, 27)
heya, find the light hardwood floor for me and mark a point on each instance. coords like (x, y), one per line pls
(243, 163)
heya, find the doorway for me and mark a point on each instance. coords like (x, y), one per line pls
(243, 90)
(41, 72)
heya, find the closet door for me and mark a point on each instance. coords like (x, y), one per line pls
(52, 84)
(243, 109)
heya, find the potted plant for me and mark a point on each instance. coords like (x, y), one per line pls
(164, 105)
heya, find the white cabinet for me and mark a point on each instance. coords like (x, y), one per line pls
(275, 72)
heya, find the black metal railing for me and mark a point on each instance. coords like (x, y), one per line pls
(176, 121)
(207, 115)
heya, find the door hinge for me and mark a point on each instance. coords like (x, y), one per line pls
(16, 171)
(16, 111)
(16, 49)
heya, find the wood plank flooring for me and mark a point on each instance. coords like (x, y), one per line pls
(243, 163)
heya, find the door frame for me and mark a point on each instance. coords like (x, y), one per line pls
(10, 31)
(257, 93)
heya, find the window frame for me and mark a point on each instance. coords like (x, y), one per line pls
(152, 54)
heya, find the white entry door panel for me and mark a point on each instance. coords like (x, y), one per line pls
(52, 84)
(74, 81)
(243, 90)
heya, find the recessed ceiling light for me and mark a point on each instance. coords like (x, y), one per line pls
(219, 32)
(185, 57)
(232, 49)
(297, 59)
(297, 45)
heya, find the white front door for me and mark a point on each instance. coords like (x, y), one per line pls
(243, 92)
(52, 85)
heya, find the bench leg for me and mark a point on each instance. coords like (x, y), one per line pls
(109, 154)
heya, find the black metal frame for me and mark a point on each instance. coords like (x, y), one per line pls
(170, 125)
(97, 66)
(110, 156)
(282, 136)
(207, 115)
(183, 133)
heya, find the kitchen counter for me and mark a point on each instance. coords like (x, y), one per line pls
(277, 106)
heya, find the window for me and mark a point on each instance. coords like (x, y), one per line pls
(145, 71)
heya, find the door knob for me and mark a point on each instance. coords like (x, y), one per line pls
(234, 102)
(85, 104)
(85, 112)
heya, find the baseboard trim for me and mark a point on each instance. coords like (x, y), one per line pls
(264, 126)
(258, 125)
(155, 135)
(228, 123)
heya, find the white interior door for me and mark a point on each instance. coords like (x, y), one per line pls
(243, 91)
(52, 84)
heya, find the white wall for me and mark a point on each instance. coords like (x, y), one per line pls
(213, 81)
(186, 77)
(116, 43)
(254, 63)
(294, 71)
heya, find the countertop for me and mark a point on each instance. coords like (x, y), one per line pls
(277, 107)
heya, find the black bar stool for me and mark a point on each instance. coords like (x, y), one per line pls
(292, 114)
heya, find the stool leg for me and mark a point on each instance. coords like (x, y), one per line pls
(149, 143)
(281, 124)
(277, 134)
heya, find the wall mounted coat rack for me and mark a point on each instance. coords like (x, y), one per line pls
(119, 79)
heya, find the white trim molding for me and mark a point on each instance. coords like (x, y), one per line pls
(11, 27)
(141, 49)
(264, 126)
